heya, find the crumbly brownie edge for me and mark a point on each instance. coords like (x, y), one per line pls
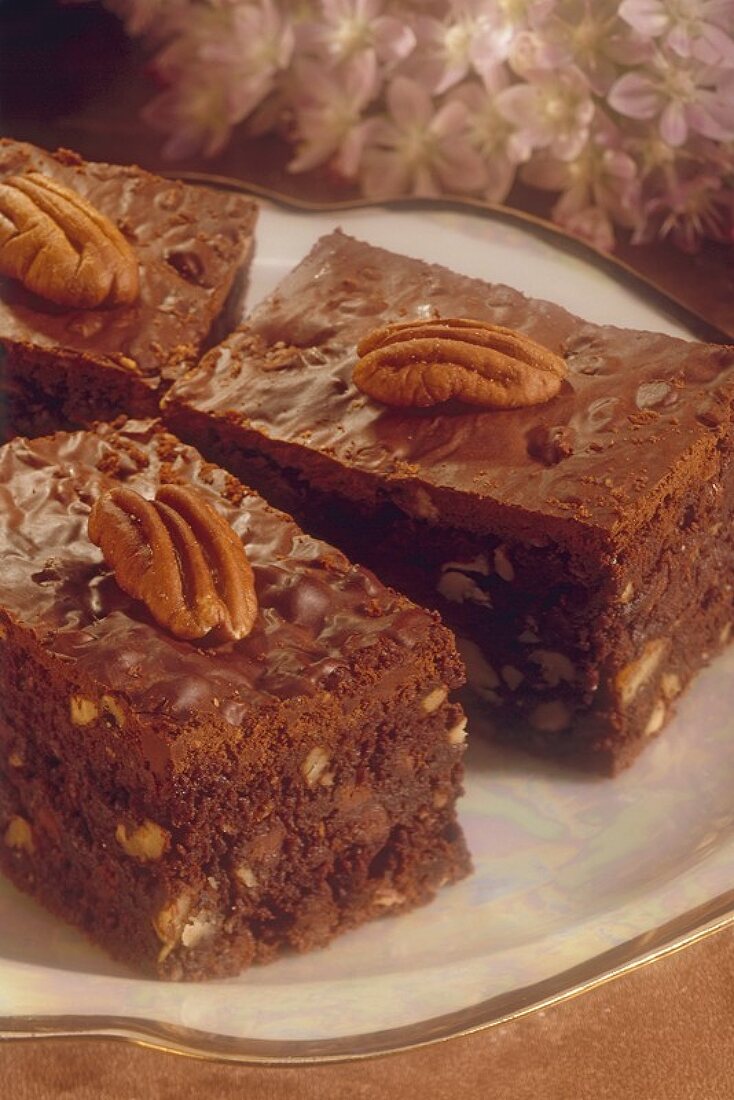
(44, 390)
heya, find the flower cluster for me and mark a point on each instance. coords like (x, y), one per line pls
(624, 110)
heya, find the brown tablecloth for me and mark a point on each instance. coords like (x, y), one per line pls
(664, 1032)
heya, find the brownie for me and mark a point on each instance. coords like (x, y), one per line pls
(193, 806)
(581, 548)
(63, 366)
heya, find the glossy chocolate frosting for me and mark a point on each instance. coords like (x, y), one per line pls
(190, 242)
(318, 614)
(635, 404)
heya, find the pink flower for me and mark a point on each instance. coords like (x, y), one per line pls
(532, 55)
(599, 186)
(474, 36)
(490, 133)
(444, 53)
(690, 28)
(256, 41)
(329, 104)
(221, 62)
(423, 96)
(690, 210)
(195, 111)
(346, 27)
(585, 33)
(683, 96)
(602, 172)
(554, 111)
(418, 150)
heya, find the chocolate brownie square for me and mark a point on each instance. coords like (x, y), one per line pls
(65, 364)
(581, 548)
(197, 804)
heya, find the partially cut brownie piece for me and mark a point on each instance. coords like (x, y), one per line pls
(62, 364)
(581, 548)
(196, 806)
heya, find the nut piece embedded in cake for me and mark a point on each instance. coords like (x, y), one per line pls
(148, 842)
(435, 699)
(18, 834)
(314, 768)
(112, 707)
(637, 673)
(424, 363)
(59, 247)
(169, 922)
(82, 710)
(457, 734)
(178, 556)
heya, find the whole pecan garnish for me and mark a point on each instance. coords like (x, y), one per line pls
(61, 248)
(423, 363)
(178, 556)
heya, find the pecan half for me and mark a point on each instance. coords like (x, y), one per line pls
(178, 556)
(61, 248)
(423, 363)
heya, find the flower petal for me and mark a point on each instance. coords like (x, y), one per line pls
(351, 150)
(383, 175)
(593, 226)
(635, 96)
(394, 38)
(501, 176)
(460, 167)
(713, 46)
(648, 17)
(619, 164)
(424, 183)
(673, 124)
(569, 144)
(312, 153)
(449, 119)
(359, 78)
(572, 201)
(546, 172)
(713, 120)
(519, 105)
(409, 102)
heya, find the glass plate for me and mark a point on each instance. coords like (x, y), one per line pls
(575, 878)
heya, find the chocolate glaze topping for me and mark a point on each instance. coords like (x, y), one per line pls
(190, 242)
(634, 403)
(318, 613)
